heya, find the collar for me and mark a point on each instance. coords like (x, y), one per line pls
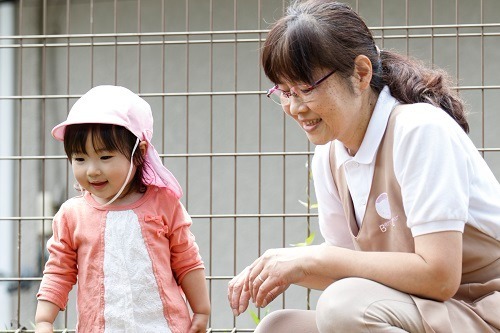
(374, 132)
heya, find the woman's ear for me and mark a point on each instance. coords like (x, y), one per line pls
(143, 146)
(362, 72)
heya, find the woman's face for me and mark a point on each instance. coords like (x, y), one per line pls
(332, 111)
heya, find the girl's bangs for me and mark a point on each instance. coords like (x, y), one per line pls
(104, 137)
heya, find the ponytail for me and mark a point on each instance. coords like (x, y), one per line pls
(410, 81)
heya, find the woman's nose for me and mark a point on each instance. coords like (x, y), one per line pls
(296, 106)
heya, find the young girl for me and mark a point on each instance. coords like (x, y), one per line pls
(126, 240)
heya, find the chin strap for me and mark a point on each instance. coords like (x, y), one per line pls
(126, 180)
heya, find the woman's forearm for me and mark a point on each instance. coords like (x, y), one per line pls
(316, 282)
(433, 271)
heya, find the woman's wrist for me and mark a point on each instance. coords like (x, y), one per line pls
(311, 260)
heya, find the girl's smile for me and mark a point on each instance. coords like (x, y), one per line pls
(98, 185)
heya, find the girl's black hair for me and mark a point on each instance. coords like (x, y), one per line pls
(111, 138)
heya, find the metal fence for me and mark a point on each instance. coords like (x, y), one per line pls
(244, 167)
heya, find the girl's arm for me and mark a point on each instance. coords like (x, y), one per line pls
(194, 286)
(46, 313)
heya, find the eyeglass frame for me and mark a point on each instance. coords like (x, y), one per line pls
(290, 93)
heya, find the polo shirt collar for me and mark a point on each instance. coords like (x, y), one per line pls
(374, 132)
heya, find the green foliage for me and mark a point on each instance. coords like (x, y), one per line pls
(308, 203)
(255, 317)
(308, 241)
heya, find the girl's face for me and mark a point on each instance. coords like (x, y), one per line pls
(101, 172)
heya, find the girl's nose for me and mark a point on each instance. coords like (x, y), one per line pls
(93, 170)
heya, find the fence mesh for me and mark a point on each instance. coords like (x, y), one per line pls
(244, 167)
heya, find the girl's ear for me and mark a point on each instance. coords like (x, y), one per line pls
(143, 146)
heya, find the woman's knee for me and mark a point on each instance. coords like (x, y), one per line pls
(285, 321)
(352, 304)
(340, 307)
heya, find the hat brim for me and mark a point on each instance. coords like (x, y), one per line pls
(59, 130)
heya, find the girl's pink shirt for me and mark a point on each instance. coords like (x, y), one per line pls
(77, 253)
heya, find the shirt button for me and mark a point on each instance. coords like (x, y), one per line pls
(352, 165)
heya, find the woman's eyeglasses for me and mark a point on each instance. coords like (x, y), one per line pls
(302, 92)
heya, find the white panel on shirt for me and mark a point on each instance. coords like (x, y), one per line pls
(332, 220)
(131, 296)
(359, 176)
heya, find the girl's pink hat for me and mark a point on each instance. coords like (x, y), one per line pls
(119, 106)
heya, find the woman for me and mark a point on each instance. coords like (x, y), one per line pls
(409, 209)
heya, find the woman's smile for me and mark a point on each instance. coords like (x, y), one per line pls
(310, 125)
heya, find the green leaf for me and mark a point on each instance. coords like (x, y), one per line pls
(267, 310)
(305, 204)
(255, 317)
(310, 239)
(307, 242)
(310, 206)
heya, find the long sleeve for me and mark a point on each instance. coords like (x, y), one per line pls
(60, 272)
(184, 251)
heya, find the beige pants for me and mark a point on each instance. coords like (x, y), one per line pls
(355, 305)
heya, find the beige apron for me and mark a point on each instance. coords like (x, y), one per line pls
(479, 294)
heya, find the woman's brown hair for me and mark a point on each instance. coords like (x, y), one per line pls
(327, 34)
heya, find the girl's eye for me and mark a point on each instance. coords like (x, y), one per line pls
(78, 159)
(106, 157)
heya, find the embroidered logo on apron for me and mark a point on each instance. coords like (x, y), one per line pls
(383, 208)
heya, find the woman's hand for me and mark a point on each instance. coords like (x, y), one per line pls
(267, 277)
(238, 294)
(274, 271)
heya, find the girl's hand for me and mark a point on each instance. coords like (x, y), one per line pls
(199, 323)
(238, 294)
(44, 327)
